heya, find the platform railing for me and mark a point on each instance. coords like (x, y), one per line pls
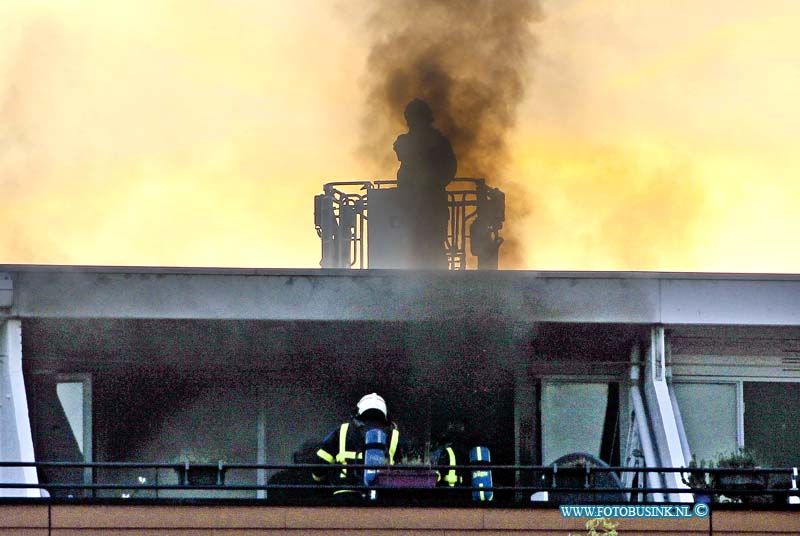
(476, 213)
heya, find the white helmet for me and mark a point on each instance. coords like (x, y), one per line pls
(372, 401)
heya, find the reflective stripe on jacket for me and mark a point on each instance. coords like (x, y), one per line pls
(348, 444)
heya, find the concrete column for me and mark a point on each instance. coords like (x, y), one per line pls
(16, 443)
(661, 413)
(640, 435)
(525, 428)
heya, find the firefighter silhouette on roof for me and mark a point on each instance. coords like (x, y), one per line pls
(427, 165)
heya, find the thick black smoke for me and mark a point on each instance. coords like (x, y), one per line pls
(469, 60)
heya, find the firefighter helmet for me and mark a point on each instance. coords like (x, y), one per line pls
(372, 401)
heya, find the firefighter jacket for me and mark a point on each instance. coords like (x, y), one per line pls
(427, 161)
(451, 454)
(345, 446)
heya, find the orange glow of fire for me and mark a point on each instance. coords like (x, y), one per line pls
(655, 136)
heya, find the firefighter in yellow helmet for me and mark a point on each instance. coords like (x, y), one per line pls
(346, 444)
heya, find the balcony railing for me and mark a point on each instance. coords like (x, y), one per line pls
(517, 485)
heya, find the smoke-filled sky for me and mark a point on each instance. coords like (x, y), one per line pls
(654, 135)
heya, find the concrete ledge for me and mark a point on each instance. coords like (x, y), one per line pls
(166, 517)
(23, 516)
(250, 532)
(249, 520)
(531, 520)
(167, 532)
(756, 522)
(384, 518)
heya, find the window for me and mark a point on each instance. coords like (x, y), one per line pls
(72, 396)
(772, 422)
(61, 415)
(709, 414)
(580, 417)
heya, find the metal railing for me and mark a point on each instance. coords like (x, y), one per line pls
(476, 215)
(512, 484)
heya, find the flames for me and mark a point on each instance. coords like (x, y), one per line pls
(645, 137)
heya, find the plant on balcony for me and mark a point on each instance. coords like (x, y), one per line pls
(698, 480)
(601, 526)
(739, 459)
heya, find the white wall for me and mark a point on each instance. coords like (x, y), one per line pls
(15, 428)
